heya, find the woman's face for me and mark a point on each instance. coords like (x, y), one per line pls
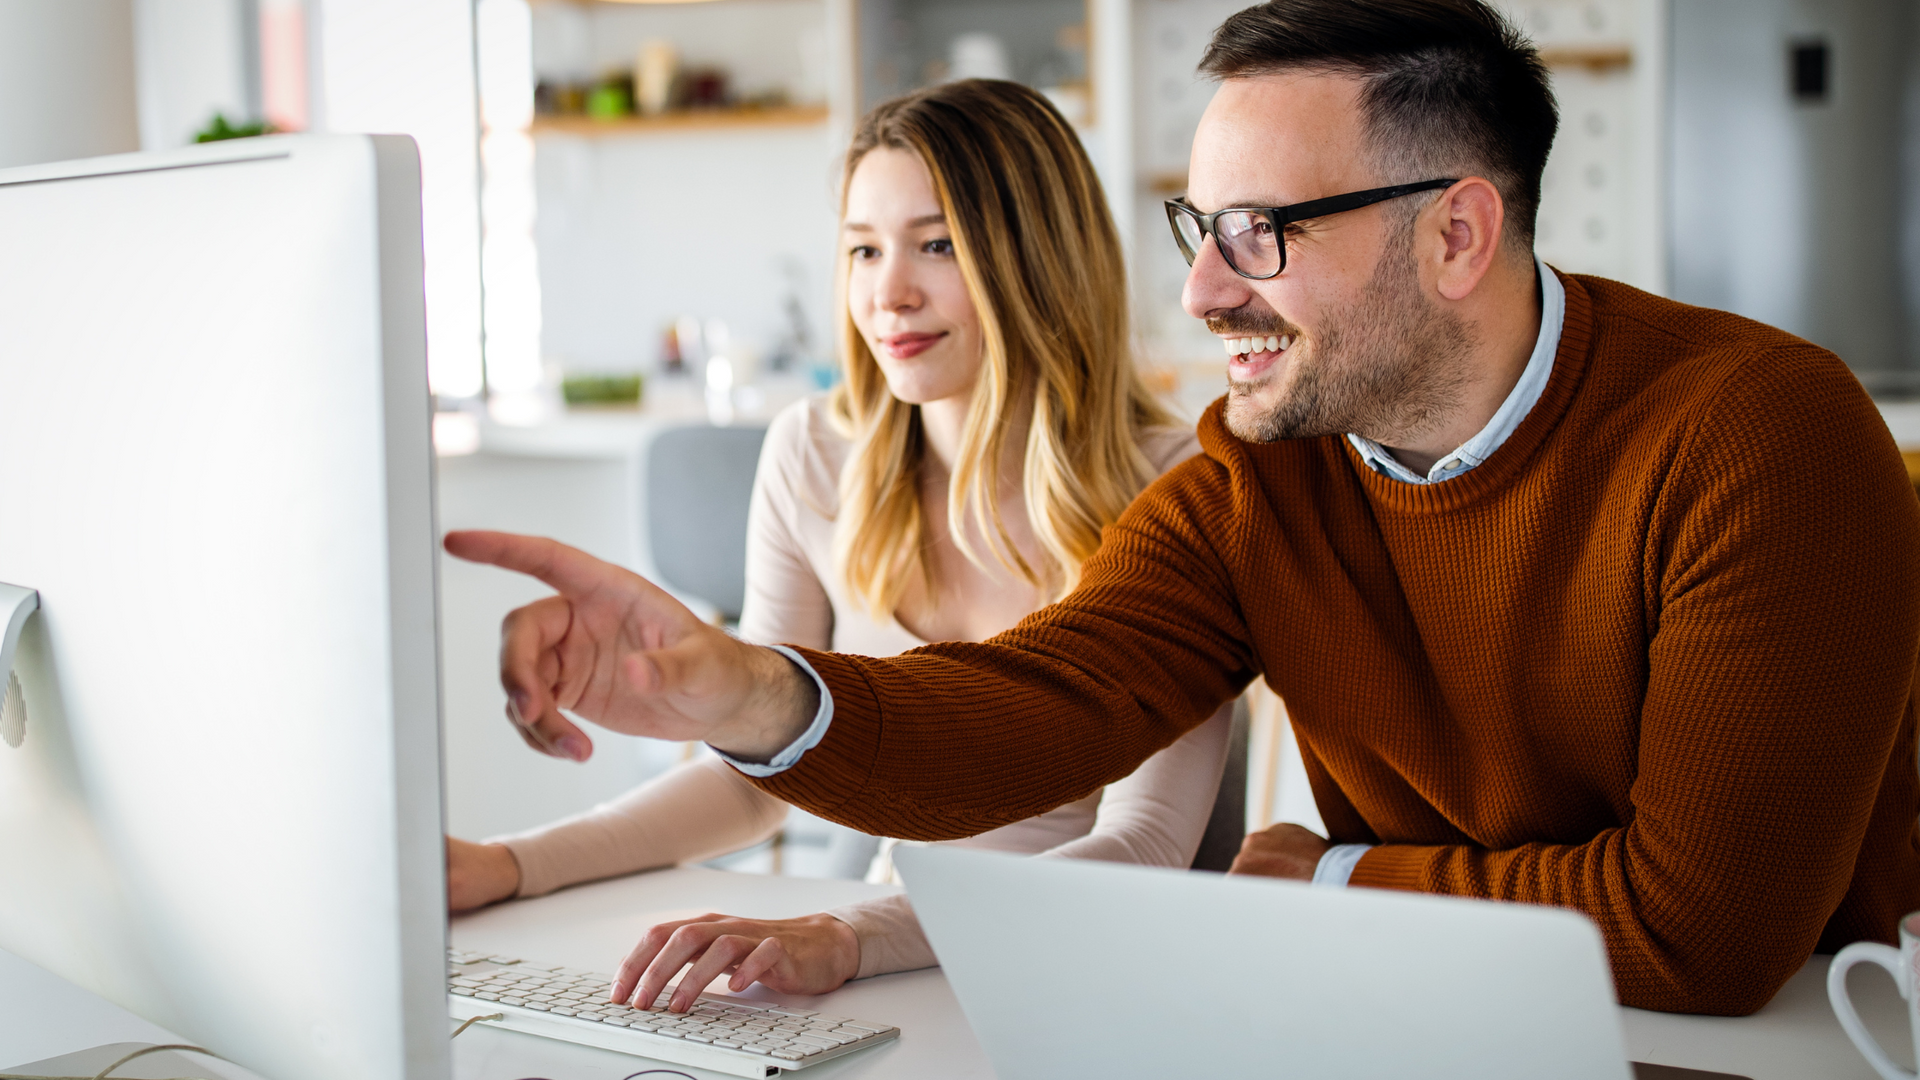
(904, 289)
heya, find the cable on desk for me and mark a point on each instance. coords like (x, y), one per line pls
(107, 1072)
(632, 1075)
(472, 1020)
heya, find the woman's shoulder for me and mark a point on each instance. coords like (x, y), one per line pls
(805, 451)
(1168, 445)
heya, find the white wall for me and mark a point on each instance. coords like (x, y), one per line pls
(636, 231)
(66, 80)
(192, 60)
(406, 67)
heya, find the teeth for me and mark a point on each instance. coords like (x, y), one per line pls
(1243, 346)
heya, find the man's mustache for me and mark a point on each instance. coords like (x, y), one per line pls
(1242, 322)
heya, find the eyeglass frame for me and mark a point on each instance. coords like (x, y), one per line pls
(1279, 217)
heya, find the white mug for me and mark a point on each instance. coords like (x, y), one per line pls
(1900, 963)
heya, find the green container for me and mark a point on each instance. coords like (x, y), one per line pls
(609, 101)
(602, 389)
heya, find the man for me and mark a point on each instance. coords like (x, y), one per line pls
(1575, 595)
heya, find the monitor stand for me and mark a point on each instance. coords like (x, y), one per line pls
(16, 604)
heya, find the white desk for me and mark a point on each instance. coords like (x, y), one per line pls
(1794, 1038)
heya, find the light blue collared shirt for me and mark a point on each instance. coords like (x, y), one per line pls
(1336, 866)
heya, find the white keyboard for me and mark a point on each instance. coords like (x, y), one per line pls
(730, 1035)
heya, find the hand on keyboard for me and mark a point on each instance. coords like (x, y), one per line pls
(808, 955)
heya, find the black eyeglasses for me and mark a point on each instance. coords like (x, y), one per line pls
(1250, 237)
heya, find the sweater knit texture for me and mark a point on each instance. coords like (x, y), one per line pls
(1652, 661)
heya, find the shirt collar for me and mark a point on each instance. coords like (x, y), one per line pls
(1520, 402)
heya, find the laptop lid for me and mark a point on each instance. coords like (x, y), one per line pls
(1072, 968)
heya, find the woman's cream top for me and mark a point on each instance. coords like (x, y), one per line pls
(704, 808)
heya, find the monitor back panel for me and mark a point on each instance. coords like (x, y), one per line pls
(1070, 968)
(215, 467)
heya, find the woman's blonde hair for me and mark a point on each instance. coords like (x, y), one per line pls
(1037, 249)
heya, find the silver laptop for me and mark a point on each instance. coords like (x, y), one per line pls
(1069, 968)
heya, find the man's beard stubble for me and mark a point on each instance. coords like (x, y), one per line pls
(1386, 366)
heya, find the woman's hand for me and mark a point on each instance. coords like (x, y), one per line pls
(808, 955)
(479, 874)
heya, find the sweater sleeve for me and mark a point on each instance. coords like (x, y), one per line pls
(694, 812)
(1784, 598)
(1154, 817)
(954, 739)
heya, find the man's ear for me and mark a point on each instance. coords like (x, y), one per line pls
(1465, 226)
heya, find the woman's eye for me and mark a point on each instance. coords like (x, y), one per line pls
(864, 251)
(942, 246)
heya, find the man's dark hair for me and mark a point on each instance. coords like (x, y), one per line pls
(1451, 88)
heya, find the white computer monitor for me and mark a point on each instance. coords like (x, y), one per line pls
(224, 812)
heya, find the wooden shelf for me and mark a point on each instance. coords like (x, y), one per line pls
(682, 120)
(1596, 60)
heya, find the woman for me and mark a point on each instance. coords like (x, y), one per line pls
(990, 424)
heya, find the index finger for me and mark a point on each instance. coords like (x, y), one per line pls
(567, 569)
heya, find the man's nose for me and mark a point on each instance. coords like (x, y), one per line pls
(1212, 285)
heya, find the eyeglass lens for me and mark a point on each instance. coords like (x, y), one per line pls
(1248, 241)
(1246, 238)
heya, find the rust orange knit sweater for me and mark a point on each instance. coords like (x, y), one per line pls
(1653, 660)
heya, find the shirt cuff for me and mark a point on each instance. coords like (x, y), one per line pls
(1336, 866)
(809, 738)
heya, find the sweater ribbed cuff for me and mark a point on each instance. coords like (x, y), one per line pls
(841, 765)
(1393, 866)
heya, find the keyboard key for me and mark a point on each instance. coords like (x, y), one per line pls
(863, 1026)
(536, 1006)
(699, 1037)
(798, 1014)
(727, 1044)
(788, 1055)
(669, 1033)
(832, 1037)
(751, 1049)
(487, 996)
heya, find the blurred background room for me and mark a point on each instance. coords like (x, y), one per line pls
(630, 229)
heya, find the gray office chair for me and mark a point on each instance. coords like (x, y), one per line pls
(696, 484)
(1228, 825)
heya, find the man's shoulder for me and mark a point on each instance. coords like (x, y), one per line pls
(1724, 391)
(1684, 352)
